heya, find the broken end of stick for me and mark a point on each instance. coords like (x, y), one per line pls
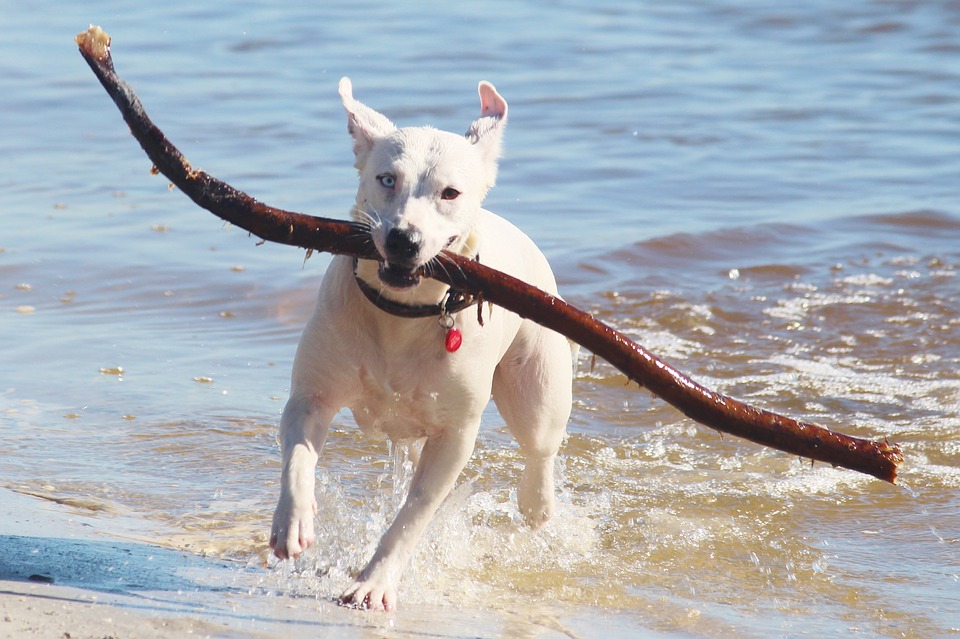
(894, 456)
(94, 42)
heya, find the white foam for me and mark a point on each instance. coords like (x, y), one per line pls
(866, 279)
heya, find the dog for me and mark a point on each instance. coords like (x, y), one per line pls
(412, 359)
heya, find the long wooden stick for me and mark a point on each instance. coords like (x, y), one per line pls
(712, 409)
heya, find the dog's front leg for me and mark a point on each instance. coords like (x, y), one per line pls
(303, 431)
(441, 462)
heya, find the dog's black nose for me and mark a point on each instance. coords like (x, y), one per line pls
(403, 246)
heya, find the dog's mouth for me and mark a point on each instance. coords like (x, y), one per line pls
(401, 276)
(398, 276)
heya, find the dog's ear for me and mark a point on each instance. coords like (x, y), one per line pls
(365, 125)
(487, 130)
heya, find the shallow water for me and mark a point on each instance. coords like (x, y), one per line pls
(767, 197)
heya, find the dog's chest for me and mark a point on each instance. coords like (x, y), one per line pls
(415, 401)
(395, 374)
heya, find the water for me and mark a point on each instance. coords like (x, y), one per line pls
(767, 196)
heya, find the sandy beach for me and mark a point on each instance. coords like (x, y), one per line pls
(61, 576)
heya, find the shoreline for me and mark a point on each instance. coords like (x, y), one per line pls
(62, 576)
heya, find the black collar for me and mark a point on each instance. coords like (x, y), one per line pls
(453, 302)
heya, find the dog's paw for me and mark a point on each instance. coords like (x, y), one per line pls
(292, 531)
(536, 512)
(365, 596)
(371, 593)
(535, 495)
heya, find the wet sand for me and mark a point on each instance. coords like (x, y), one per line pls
(62, 576)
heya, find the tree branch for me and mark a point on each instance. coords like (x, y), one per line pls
(712, 409)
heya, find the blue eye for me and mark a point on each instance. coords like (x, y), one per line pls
(387, 180)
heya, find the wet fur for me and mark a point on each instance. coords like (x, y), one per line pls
(394, 373)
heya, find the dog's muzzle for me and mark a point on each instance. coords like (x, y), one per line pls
(396, 276)
(399, 266)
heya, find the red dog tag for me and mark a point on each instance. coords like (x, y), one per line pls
(453, 340)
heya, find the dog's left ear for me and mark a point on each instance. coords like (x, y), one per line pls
(487, 131)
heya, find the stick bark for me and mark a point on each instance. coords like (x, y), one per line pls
(717, 411)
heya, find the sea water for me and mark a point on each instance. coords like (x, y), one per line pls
(767, 196)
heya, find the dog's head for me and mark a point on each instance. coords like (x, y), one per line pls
(421, 189)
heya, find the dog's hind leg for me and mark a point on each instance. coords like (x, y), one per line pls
(532, 389)
(441, 461)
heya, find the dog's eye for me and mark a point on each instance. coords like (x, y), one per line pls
(387, 180)
(449, 193)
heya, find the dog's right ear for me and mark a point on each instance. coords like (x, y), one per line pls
(365, 125)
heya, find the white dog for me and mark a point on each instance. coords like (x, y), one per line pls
(408, 356)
